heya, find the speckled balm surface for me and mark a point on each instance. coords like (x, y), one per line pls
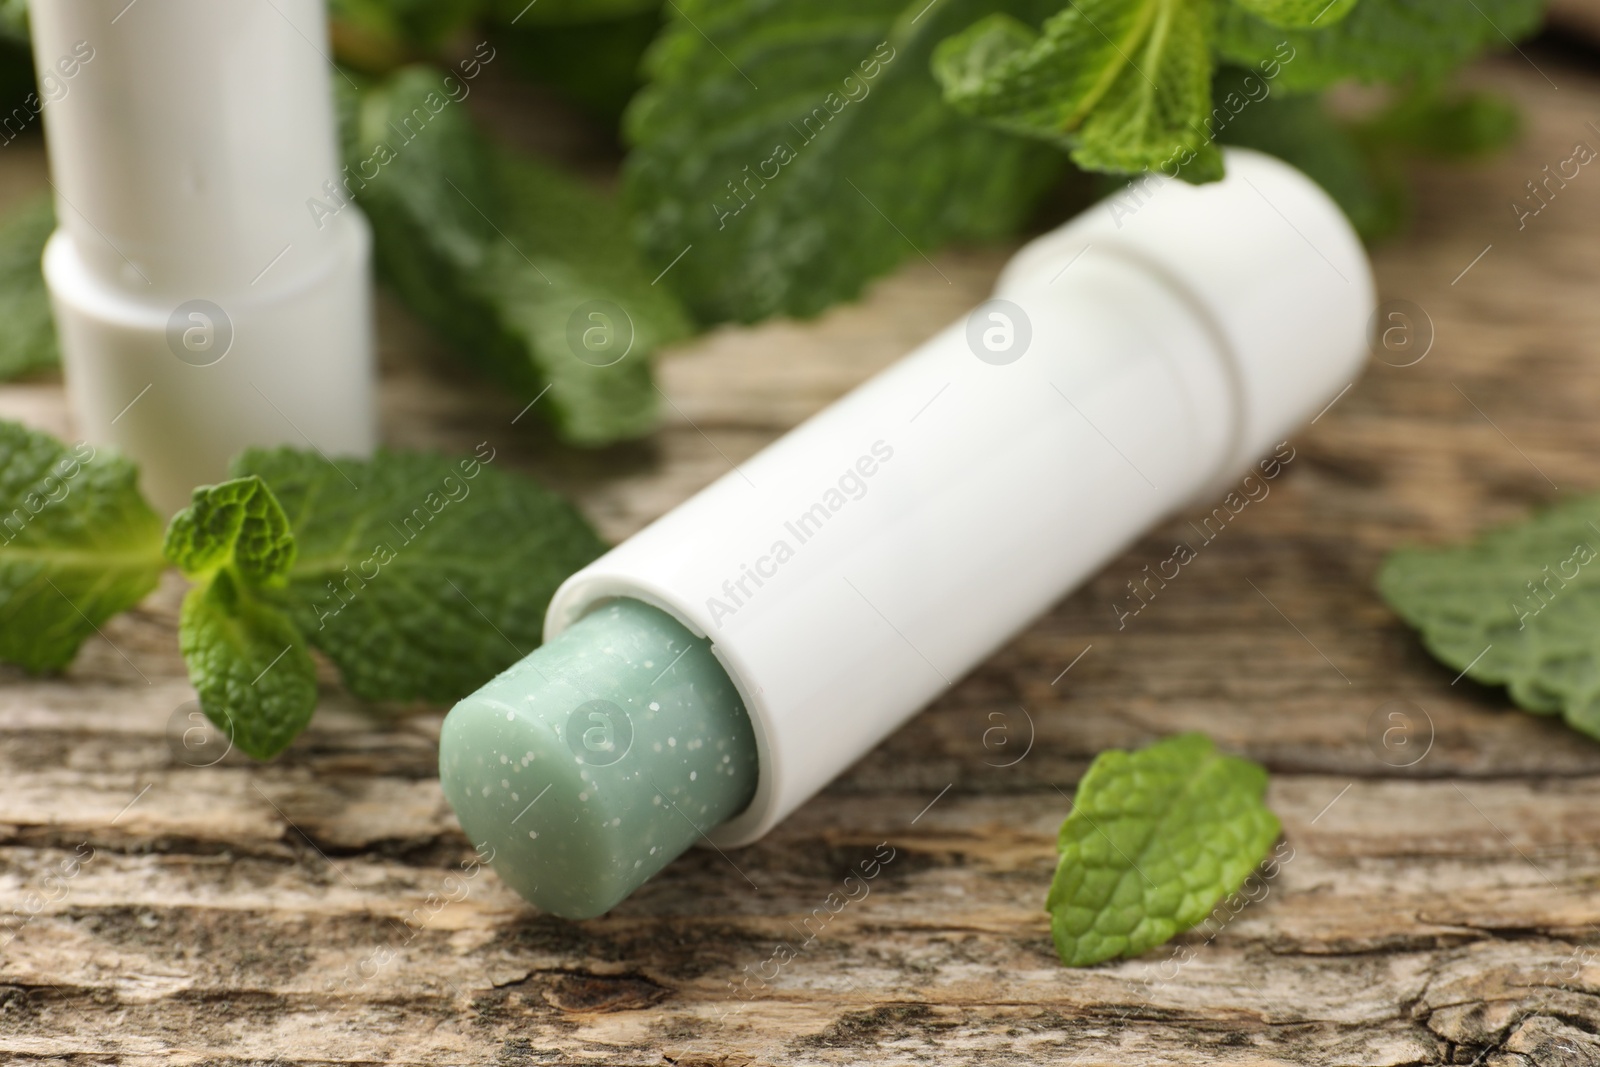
(597, 759)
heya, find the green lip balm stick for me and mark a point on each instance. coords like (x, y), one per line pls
(711, 673)
(599, 758)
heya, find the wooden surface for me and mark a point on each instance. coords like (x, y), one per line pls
(1445, 912)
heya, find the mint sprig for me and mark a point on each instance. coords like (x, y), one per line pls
(788, 151)
(1123, 85)
(78, 544)
(1155, 838)
(246, 659)
(419, 575)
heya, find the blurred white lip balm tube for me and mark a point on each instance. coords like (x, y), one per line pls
(202, 305)
(1130, 364)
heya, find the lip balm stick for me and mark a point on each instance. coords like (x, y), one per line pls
(1131, 365)
(593, 763)
(200, 305)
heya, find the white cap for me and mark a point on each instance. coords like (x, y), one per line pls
(202, 304)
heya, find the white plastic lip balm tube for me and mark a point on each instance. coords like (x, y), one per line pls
(1134, 365)
(201, 306)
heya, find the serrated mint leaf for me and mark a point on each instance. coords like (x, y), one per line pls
(1299, 14)
(78, 544)
(1156, 837)
(525, 271)
(432, 577)
(1518, 606)
(246, 659)
(28, 340)
(1124, 84)
(790, 197)
(238, 523)
(248, 663)
(1378, 41)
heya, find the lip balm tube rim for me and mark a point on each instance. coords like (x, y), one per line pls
(1232, 454)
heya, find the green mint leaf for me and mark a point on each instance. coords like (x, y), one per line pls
(1299, 14)
(246, 658)
(524, 270)
(28, 341)
(1519, 607)
(1156, 837)
(790, 197)
(248, 662)
(1124, 84)
(78, 544)
(1378, 41)
(429, 579)
(239, 524)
